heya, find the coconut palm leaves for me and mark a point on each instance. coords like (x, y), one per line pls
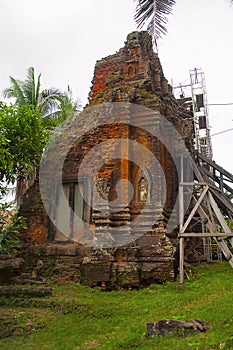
(155, 12)
(51, 103)
(25, 92)
(67, 107)
(64, 108)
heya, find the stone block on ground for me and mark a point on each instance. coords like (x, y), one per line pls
(177, 327)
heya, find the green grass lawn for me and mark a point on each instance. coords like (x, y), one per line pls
(76, 317)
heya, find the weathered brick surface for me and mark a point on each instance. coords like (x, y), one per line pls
(132, 75)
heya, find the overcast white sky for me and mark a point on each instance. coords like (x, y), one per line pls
(63, 39)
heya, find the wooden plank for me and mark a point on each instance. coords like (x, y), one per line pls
(226, 251)
(181, 222)
(197, 172)
(205, 234)
(216, 166)
(231, 262)
(225, 202)
(212, 225)
(215, 178)
(219, 215)
(219, 237)
(195, 209)
(231, 241)
(181, 194)
(181, 267)
(193, 183)
(204, 216)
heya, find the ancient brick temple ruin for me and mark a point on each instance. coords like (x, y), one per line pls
(133, 75)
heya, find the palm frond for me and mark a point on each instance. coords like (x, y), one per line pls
(52, 103)
(51, 120)
(155, 13)
(29, 87)
(49, 100)
(37, 90)
(66, 107)
(15, 91)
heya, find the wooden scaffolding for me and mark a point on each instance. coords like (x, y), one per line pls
(211, 195)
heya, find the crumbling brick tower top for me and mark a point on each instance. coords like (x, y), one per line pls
(134, 70)
(134, 74)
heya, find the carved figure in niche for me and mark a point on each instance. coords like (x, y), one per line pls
(142, 190)
(131, 71)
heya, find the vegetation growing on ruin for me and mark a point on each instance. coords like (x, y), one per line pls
(76, 317)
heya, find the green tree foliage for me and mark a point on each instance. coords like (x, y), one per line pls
(66, 108)
(53, 105)
(29, 92)
(22, 139)
(24, 132)
(10, 225)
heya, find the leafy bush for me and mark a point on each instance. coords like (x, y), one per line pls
(10, 225)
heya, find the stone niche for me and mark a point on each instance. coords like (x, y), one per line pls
(132, 76)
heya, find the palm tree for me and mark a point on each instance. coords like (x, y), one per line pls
(54, 106)
(28, 92)
(66, 108)
(25, 92)
(155, 12)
